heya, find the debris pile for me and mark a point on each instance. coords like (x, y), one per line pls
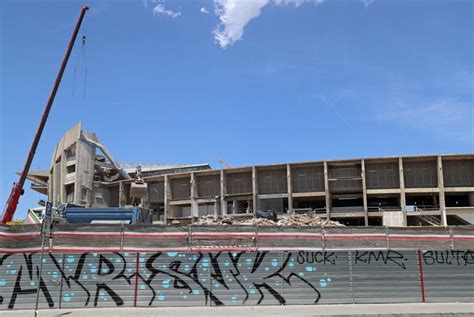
(296, 220)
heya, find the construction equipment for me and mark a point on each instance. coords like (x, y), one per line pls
(138, 188)
(17, 189)
(135, 215)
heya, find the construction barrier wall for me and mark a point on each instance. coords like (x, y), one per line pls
(140, 279)
(102, 266)
(78, 237)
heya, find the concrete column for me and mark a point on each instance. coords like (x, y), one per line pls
(62, 187)
(194, 204)
(290, 188)
(122, 196)
(254, 190)
(442, 200)
(223, 193)
(216, 207)
(167, 198)
(403, 203)
(364, 193)
(326, 190)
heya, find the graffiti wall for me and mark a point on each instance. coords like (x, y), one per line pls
(66, 280)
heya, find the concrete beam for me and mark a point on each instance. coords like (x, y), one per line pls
(180, 202)
(383, 191)
(309, 194)
(429, 190)
(206, 200)
(335, 215)
(442, 201)
(271, 196)
(459, 189)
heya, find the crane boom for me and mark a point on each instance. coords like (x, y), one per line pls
(17, 189)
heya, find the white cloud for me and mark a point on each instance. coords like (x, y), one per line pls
(367, 2)
(160, 9)
(234, 15)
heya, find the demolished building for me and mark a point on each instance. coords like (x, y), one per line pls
(429, 190)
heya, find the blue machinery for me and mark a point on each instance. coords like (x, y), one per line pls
(88, 215)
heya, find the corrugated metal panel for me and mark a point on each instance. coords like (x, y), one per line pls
(243, 278)
(290, 237)
(385, 276)
(145, 237)
(448, 276)
(432, 238)
(98, 236)
(234, 237)
(174, 278)
(98, 280)
(19, 280)
(317, 277)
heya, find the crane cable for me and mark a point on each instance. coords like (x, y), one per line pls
(82, 61)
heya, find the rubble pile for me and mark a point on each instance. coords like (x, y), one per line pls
(296, 220)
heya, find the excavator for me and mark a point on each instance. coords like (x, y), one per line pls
(17, 189)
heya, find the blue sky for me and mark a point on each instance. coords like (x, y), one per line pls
(252, 82)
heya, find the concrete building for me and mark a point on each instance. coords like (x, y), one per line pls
(428, 190)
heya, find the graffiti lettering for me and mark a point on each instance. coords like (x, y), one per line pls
(316, 257)
(369, 257)
(448, 257)
(220, 278)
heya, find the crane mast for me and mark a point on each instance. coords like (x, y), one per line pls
(17, 189)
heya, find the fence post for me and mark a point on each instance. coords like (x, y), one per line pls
(420, 272)
(351, 277)
(210, 283)
(255, 241)
(190, 237)
(281, 278)
(40, 268)
(451, 237)
(122, 230)
(137, 270)
(323, 237)
(62, 279)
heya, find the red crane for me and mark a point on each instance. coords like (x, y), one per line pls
(17, 189)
